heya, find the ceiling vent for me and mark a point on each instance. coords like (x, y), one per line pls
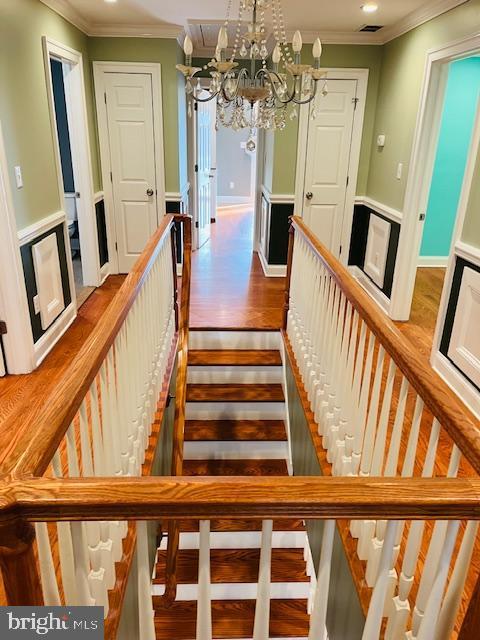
(371, 28)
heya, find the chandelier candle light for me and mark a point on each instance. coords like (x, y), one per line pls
(255, 98)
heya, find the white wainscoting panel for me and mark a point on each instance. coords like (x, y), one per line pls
(464, 348)
(377, 249)
(49, 279)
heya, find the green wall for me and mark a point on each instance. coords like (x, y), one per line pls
(24, 111)
(285, 144)
(152, 50)
(399, 97)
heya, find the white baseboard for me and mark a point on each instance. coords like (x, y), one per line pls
(271, 270)
(432, 261)
(231, 201)
(375, 293)
(49, 339)
(452, 376)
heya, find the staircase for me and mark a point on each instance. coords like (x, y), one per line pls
(236, 425)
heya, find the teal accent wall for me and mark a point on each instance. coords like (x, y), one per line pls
(458, 120)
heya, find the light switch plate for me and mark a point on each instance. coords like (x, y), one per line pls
(399, 170)
(19, 177)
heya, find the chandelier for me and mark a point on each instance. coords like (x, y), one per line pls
(253, 95)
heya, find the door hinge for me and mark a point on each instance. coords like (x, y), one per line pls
(116, 247)
(340, 252)
(111, 176)
(196, 168)
(355, 102)
(105, 96)
(3, 328)
(348, 180)
(195, 106)
(421, 217)
(196, 224)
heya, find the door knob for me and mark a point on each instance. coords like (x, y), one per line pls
(150, 193)
(309, 195)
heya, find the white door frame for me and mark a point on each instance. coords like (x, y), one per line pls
(18, 342)
(99, 71)
(361, 75)
(422, 163)
(81, 156)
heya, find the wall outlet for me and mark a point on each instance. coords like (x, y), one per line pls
(232, 185)
(19, 177)
(399, 170)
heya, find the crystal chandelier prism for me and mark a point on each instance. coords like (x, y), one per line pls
(255, 96)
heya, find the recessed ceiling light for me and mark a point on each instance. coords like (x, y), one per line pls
(110, 1)
(370, 7)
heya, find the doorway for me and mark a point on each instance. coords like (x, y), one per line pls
(326, 183)
(129, 109)
(66, 94)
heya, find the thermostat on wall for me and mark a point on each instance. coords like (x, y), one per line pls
(381, 141)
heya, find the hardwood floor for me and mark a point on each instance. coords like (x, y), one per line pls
(420, 328)
(229, 288)
(20, 395)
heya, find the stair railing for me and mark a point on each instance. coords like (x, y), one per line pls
(376, 409)
(104, 420)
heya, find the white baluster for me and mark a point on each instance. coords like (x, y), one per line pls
(145, 606)
(318, 619)
(48, 577)
(204, 604)
(262, 609)
(427, 630)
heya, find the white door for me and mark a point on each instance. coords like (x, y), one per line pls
(206, 170)
(328, 158)
(129, 98)
(2, 360)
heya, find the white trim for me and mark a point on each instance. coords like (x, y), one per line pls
(99, 69)
(452, 376)
(65, 9)
(278, 198)
(468, 252)
(27, 234)
(177, 196)
(382, 209)
(374, 292)
(271, 270)
(81, 154)
(167, 31)
(421, 169)
(432, 261)
(45, 344)
(18, 342)
(231, 201)
(98, 196)
(361, 75)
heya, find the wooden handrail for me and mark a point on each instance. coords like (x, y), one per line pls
(460, 423)
(180, 402)
(153, 498)
(33, 451)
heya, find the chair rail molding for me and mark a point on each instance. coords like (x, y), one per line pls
(18, 341)
(379, 207)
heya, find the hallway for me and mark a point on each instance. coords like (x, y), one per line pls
(227, 277)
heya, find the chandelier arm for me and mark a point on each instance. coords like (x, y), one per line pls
(267, 74)
(243, 73)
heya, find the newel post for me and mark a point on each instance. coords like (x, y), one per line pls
(471, 622)
(18, 564)
(286, 304)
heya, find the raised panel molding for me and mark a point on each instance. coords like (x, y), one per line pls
(48, 276)
(378, 242)
(464, 349)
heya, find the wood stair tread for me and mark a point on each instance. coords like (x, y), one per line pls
(235, 430)
(235, 393)
(231, 619)
(235, 468)
(234, 357)
(218, 526)
(235, 566)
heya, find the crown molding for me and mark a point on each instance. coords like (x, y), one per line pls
(65, 9)
(337, 37)
(428, 12)
(168, 31)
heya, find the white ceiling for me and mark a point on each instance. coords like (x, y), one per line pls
(335, 20)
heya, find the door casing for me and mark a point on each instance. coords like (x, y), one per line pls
(99, 69)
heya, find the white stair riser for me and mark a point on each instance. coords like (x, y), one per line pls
(233, 374)
(235, 450)
(250, 340)
(235, 411)
(242, 540)
(240, 591)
